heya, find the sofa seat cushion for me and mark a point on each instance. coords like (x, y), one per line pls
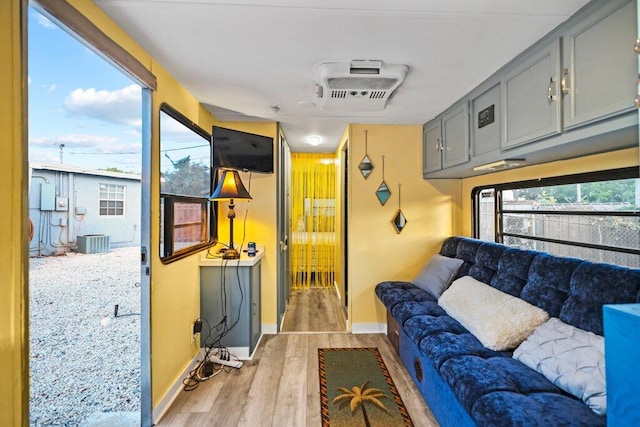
(404, 311)
(506, 408)
(471, 377)
(443, 346)
(419, 327)
(391, 293)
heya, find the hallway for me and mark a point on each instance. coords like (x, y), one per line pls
(314, 310)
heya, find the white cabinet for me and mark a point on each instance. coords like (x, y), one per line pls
(446, 139)
(600, 66)
(530, 101)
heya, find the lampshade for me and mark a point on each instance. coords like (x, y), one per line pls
(230, 187)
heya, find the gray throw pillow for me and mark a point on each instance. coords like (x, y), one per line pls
(436, 276)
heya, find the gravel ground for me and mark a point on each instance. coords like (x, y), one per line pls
(83, 359)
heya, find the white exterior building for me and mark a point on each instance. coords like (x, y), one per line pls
(67, 202)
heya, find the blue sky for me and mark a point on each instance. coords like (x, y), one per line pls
(78, 99)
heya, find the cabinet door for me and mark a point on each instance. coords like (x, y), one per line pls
(432, 147)
(455, 135)
(226, 295)
(256, 314)
(530, 99)
(485, 122)
(599, 78)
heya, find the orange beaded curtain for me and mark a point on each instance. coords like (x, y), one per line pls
(313, 190)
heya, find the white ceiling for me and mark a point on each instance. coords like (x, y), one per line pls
(241, 58)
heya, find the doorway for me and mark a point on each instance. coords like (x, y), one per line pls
(315, 303)
(89, 145)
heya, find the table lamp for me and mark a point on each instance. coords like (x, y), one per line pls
(230, 187)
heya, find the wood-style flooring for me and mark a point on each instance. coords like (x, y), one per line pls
(314, 310)
(280, 386)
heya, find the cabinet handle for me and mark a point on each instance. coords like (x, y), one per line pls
(563, 82)
(550, 96)
(636, 46)
(637, 101)
(254, 309)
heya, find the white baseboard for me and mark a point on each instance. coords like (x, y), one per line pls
(369, 328)
(270, 328)
(164, 405)
(335, 285)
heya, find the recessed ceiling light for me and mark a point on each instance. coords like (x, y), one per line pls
(314, 140)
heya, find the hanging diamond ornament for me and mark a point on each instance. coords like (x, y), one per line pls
(399, 221)
(383, 191)
(365, 165)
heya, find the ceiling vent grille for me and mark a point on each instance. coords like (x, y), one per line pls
(358, 85)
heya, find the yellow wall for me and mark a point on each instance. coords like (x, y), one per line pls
(376, 251)
(14, 386)
(613, 160)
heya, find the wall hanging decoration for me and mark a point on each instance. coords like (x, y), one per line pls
(365, 165)
(399, 221)
(383, 191)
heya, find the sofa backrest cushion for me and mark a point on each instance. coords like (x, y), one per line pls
(593, 285)
(548, 282)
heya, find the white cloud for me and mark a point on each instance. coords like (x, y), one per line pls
(75, 141)
(121, 106)
(46, 23)
(29, 80)
(76, 146)
(50, 88)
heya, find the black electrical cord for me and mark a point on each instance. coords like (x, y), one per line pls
(215, 334)
(195, 377)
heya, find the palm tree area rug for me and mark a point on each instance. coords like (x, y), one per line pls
(357, 390)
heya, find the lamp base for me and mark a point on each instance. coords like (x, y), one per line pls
(230, 253)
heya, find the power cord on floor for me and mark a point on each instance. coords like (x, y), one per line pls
(206, 369)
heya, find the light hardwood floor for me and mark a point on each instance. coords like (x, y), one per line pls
(280, 386)
(314, 310)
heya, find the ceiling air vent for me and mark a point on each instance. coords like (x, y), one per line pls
(357, 85)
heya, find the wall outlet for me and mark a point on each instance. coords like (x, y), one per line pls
(196, 328)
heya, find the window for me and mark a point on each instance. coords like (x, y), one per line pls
(186, 215)
(112, 197)
(592, 216)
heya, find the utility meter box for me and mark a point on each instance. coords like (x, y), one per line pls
(62, 203)
(47, 197)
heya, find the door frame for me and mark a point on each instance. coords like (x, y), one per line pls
(72, 21)
(283, 226)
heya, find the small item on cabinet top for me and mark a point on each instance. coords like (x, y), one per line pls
(251, 249)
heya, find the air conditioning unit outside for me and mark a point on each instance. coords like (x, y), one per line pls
(359, 85)
(94, 244)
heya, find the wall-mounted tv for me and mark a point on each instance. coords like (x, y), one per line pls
(242, 151)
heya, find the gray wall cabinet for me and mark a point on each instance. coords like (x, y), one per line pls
(531, 105)
(446, 139)
(571, 94)
(600, 66)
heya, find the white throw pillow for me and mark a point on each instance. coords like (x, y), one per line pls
(500, 321)
(571, 358)
(437, 274)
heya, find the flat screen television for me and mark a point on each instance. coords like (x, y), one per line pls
(242, 151)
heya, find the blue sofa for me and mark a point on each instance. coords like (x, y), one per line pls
(467, 384)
